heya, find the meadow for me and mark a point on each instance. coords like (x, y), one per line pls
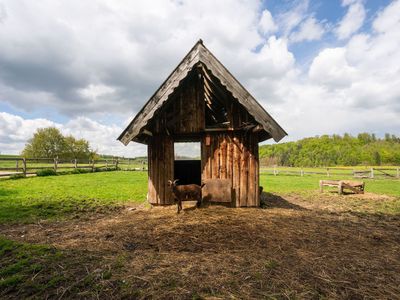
(93, 236)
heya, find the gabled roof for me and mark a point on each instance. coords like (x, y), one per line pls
(200, 54)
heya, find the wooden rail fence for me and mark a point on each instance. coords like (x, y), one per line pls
(372, 172)
(30, 166)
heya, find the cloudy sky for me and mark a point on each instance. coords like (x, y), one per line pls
(86, 67)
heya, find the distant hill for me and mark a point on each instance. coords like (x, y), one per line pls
(334, 150)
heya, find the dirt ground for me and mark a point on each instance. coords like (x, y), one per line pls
(295, 248)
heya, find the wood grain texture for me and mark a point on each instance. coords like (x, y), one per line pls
(199, 54)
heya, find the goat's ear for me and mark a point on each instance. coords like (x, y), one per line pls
(175, 181)
(169, 182)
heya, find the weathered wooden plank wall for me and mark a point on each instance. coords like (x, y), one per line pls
(184, 112)
(233, 155)
(226, 153)
(160, 169)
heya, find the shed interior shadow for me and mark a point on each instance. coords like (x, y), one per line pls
(187, 163)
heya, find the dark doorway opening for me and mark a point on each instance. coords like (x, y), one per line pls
(187, 163)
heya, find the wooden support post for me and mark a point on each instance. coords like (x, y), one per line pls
(16, 165)
(75, 163)
(24, 166)
(372, 173)
(340, 188)
(55, 164)
(116, 164)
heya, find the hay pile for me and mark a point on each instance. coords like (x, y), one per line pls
(289, 250)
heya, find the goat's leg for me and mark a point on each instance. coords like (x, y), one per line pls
(198, 204)
(179, 205)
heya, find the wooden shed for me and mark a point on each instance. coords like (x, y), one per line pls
(201, 101)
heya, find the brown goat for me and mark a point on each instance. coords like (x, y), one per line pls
(185, 193)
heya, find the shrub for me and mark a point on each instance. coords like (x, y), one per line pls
(17, 176)
(46, 172)
(81, 171)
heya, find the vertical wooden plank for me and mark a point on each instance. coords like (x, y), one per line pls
(210, 156)
(168, 168)
(244, 172)
(236, 170)
(257, 170)
(159, 171)
(156, 162)
(215, 156)
(251, 173)
(223, 156)
(150, 174)
(229, 158)
(201, 111)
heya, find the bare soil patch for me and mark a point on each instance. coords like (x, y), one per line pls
(296, 248)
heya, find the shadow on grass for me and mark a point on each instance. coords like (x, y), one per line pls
(269, 200)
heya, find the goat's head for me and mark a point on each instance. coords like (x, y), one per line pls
(172, 183)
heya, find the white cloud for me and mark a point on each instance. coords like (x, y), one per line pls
(15, 132)
(331, 69)
(64, 48)
(267, 24)
(290, 19)
(388, 19)
(349, 2)
(352, 21)
(309, 30)
(103, 61)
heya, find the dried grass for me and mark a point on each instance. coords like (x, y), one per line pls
(290, 250)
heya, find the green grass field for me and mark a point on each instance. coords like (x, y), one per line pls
(31, 199)
(283, 184)
(84, 236)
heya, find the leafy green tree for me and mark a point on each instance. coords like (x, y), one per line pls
(50, 143)
(46, 143)
(335, 150)
(78, 149)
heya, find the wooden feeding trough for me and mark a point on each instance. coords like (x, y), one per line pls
(355, 186)
(202, 102)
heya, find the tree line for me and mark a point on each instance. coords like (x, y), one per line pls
(50, 143)
(334, 150)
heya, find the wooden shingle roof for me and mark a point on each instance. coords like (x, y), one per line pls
(200, 54)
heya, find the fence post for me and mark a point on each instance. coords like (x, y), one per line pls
(372, 173)
(142, 165)
(106, 164)
(24, 165)
(116, 164)
(16, 165)
(398, 172)
(55, 164)
(75, 163)
(327, 172)
(274, 170)
(301, 172)
(92, 165)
